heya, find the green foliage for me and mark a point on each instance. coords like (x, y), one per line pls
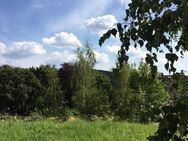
(159, 26)
(18, 88)
(23, 91)
(176, 85)
(123, 99)
(67, 77)
(92, 88)
(136, 94)
(85, 80)
(101, 105)
(50, 99)
(174, 125)
(154, 25)
(153, 93)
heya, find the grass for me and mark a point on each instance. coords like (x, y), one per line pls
(78, 130)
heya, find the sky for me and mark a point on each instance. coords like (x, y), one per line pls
(35, 32)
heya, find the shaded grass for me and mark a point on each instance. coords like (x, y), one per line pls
(78, 130)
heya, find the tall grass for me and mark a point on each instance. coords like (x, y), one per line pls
(78, 130)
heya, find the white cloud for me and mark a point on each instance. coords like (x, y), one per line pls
(33, 61)
(2, 48)
(61, 57)
(181, 64)
(100, 24)
(136, 52)
(104, 62)
(67, 56)
(113, 49)
(74, 20)
(132, 51)
(19, 50)
(101, 57)
(62, 39)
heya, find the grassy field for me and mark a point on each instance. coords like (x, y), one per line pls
(78, 130)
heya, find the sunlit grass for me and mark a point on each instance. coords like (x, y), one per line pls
(78, 130)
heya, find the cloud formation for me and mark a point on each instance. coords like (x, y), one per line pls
(100, 24)
(2, 48)
(101, 57)
(132, 51)
(19, 50)
(113, 49)
(62, 39)
(83, 10)
(58, 57)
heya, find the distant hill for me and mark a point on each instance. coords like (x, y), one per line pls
(108, 73)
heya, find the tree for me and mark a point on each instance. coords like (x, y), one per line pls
(136, 94)
(156, 25)
(18, 89)
(176, 85)
(124, 101)
(101, 98)
(50, 99)
(85, 79)
(92, 88)
(160, 26)
(153, 93)
(67, 77)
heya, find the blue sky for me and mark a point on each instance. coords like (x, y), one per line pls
(35, 32)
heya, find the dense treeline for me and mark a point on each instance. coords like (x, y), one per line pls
(25, 90)
(77, 89)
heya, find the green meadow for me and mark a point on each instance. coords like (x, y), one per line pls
(77, 130)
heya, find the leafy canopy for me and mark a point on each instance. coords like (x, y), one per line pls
(158, 25)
